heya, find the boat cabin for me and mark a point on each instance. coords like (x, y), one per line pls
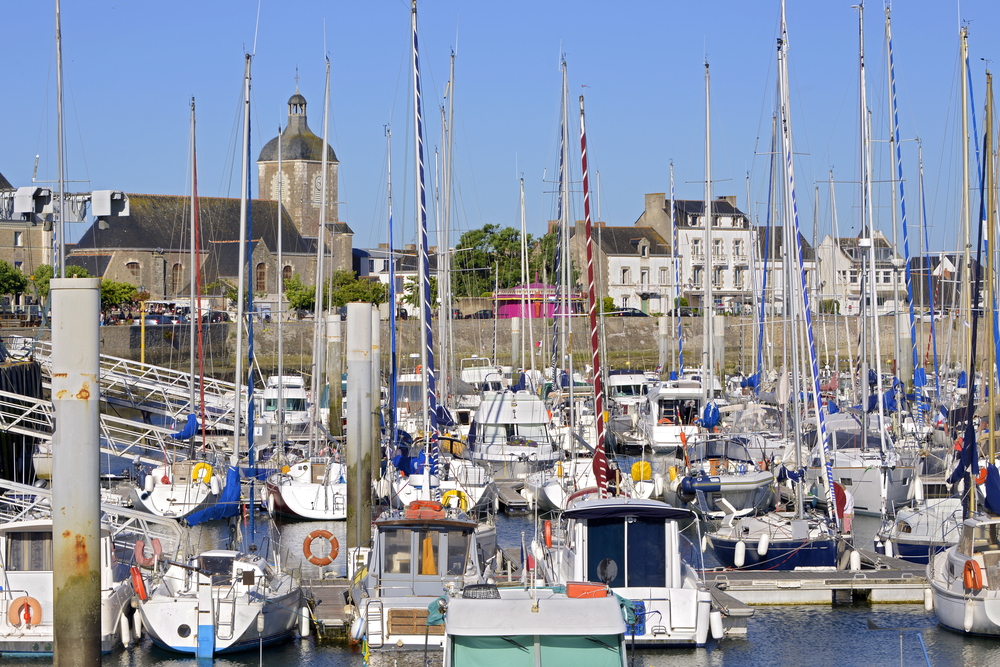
(720, 455)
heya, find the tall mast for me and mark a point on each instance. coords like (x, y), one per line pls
(567, 267)
(318, 304)
(449, 370)
(59, 139)
(241, 288)
(708, 308)
(893, 148)
(280, 416)
(989, 210)
(677, 344)
(392, 289)
(193, 260)
(966, 200)
(524, 277)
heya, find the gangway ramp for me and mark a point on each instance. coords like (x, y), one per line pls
(155, 389)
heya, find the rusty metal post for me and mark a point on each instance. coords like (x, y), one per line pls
(373, 446)
(359, 424)
(76, 495)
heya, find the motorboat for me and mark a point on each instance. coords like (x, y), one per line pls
(510, 435)
(777, 541)
(667, 417)
(295, 408)
(578, 624)
(721, 477)
(180, 488)
(417, 554)
(27, 595)
(449, 476)
(636, 548)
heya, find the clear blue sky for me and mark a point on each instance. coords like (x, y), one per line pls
(132, 66)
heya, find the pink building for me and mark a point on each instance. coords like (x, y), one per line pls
(541, 302)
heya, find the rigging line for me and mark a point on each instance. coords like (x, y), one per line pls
(257, 28)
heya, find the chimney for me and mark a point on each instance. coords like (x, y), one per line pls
(656, 202)
(383, 246)
(411, 248)
(729, 198)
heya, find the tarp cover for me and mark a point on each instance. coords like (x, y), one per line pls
(226, 506)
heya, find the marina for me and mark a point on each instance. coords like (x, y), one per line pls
(249, 428)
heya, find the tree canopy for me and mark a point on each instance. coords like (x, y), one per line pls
(43, 274)
(115, 294)
(342, 288)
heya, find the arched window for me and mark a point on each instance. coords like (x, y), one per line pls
(261, 278)
(134, 269)
(286, 275)
(177, 277)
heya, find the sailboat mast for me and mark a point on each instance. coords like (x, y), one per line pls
(567, 267)
(991, 245)
(418, 175)
(966, 199)
(392, 290)
(708, 307)
(893, 148)
(59, 139)
(280, 414)
(241, 287)
(318, 303)
(524, 281)
(678, 346)
(193, 262)
(449, 368)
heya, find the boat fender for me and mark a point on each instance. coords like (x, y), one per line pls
(125, 630)
(307, 547)
(304, 626)
(270, 503)
(358, 627)
(981, 479)
(548, 533)
(658, 485)
(715, 622)
(137, 584)
(855, 561)
(970, 615)
(536, 551)
(31, 614)
(263, 496)
(704, 543)
(673, 473)
(762, 544)
(972, 576)
(740, 557)
(139, 551)
(148, 485)
(215, 485)
(888, 548)
(928, 600)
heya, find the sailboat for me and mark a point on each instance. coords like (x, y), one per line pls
(313, 486)
(224, 600)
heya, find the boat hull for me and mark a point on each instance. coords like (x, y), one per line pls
(780, 555)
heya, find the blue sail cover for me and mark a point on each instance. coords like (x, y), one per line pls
(993, 488)
(920, 378)
(189, 430)
(226, 506)
(522, 383)
(963, 380)
(710, 418)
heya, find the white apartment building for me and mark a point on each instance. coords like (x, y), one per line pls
(841, 264)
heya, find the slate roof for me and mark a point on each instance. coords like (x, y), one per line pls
(625, 240)
(5, 184)
(95, 263)
(224, 258)
(696, 207)
(161, 221)
(297, 141)
(774, 243)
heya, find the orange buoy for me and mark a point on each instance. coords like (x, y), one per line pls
(137, 584)
(307, 547)
(548, 533)
(972, 576)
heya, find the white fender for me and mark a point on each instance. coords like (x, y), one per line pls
(150, 481)
(740, 557)
(704, 543)
(304, 622)
(358, 627)
(970, 615)
(762, 544)
(658, 485)
(270, 503)
(855, 561)
(888, 548)
(123, 625)
(215, 485)
(137, 624)
(928, 600)
(715, 623)
(537, 552)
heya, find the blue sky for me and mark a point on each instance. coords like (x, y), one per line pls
(132, 66)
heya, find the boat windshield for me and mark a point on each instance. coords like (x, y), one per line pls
(502, 433)
(409, 393)
(218, 568)
(677, 411)
(613, 538)
(458, 552)
(627, 390)
(984, 537)
(291, 404)
(732, 450)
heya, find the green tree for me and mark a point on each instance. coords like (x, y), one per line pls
(44, 272)
(542, 260)
(342, 288)
(115, 294)
(607, 304)
(12, 281)
(299, 296)
(486, 258)
(411, 293)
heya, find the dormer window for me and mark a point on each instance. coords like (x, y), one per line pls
(644, 250)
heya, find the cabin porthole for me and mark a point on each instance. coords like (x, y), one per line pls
(183, 631)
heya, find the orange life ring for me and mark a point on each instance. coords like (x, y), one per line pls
(139, 551)
(32, 611)
(982, 476)
(972, 576)
(307, 547)
(665, 420)
(419, 368)
(137, 584)
(548, 533)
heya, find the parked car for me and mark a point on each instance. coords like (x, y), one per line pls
(485, 314)
(627, 312)
(683, 311)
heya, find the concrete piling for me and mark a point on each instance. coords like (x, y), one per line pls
(359, 424)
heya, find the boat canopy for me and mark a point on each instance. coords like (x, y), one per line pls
(605, 509)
